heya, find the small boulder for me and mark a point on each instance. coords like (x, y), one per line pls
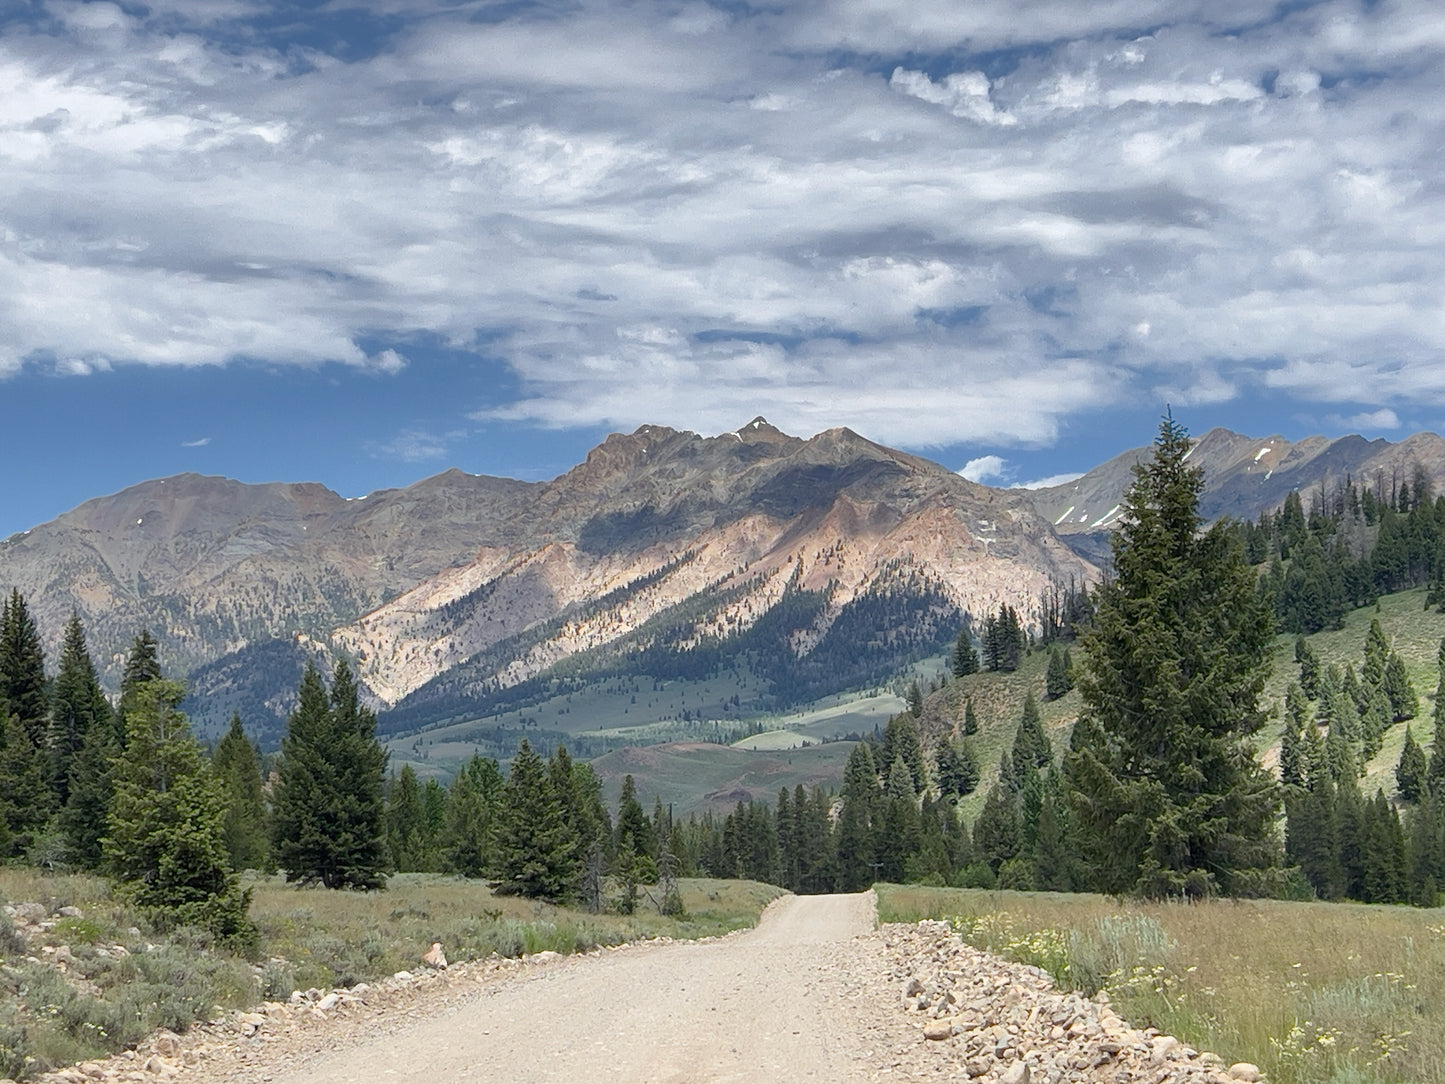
(937, 1030)
(1017, 1073)
(1243, 1070)
(168, 1044)
(70, 912)
(435, 957)
(329, 1002)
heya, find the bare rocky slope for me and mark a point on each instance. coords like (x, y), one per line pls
(663, 552)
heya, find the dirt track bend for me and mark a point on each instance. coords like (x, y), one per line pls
(805, 996)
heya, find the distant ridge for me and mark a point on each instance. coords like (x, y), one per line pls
(1243, 476)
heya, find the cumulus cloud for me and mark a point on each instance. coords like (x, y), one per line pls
(931, 221)
(985, 469)
(1371, 421)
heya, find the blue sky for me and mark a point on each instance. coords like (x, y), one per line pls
(360, 244)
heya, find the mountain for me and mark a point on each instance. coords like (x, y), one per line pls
(212, 565)
(1243, 476)
(812, 565)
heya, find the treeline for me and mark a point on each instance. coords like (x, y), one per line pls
(1353, 545)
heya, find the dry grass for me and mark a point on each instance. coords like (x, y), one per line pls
(108, 1000)
(317, 937)
(1311, 992)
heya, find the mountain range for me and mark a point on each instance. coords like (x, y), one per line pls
(807, 566)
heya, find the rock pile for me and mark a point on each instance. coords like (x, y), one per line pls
(995, 1022)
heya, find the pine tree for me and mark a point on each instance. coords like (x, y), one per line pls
(472, 806)
(406, 822)
(633, 843)
(970, 718)
(958, 773)
(1435, 771)
(237, 767)
(536, 850)
(915, 700)
(1309, 667)
(996, 830)
(965, 656)
(22, 669)
(328, 819)
(1058, 681)
(142, 665)
(165, 844)
(855, 833)
(1167, 796)
(1410, 771)
(1404, 704)
(1031, 747)
(1292, 769)
(900, 739)
(77, 705)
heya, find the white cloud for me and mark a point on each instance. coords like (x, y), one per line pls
(1367, 421)
(1050, 480)
(985, 469)
(200, 443)
(684, 214)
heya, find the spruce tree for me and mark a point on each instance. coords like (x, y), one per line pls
(1410, 771)
(406, 822)
(1404, 704)
(472, 806)
(165, 842)
(237, 767)
(996, 831)
(970, 718)
(1435, 771)
(22, 669)
(900, 739)
(536, 849)
(77, 705)
(633, 843)
(855, 831)
(1057, 681)
(965, 656)
(1167, 795)
(958, 773)
(1309, 667)
(328, 818)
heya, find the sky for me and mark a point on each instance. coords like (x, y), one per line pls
(360, 244)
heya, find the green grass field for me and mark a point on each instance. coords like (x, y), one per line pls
(1313, 993)
(695, 777)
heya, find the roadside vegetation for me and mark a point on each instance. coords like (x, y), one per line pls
(101, 978)
(1313, 993)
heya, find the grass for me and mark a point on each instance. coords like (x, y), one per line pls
(696, 777)
(1313, 993)
(123, 980)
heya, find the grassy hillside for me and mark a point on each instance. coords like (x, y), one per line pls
(694, 777)
(1310, 992)
(998, 698)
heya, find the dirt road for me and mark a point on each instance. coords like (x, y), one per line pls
(802, 997)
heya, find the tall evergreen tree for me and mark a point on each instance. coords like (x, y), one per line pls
(536, 848)
(472, 807)
(237, 767)
(965, 656)
(165, 844)
(855, 833)
(1167, 795)
(1058, 680)
(328, 819)
(77, 705)
(970, 718)
(1309, 667)
(22, 669)
(1410, 770)
(406, 822)
(1404, 704)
